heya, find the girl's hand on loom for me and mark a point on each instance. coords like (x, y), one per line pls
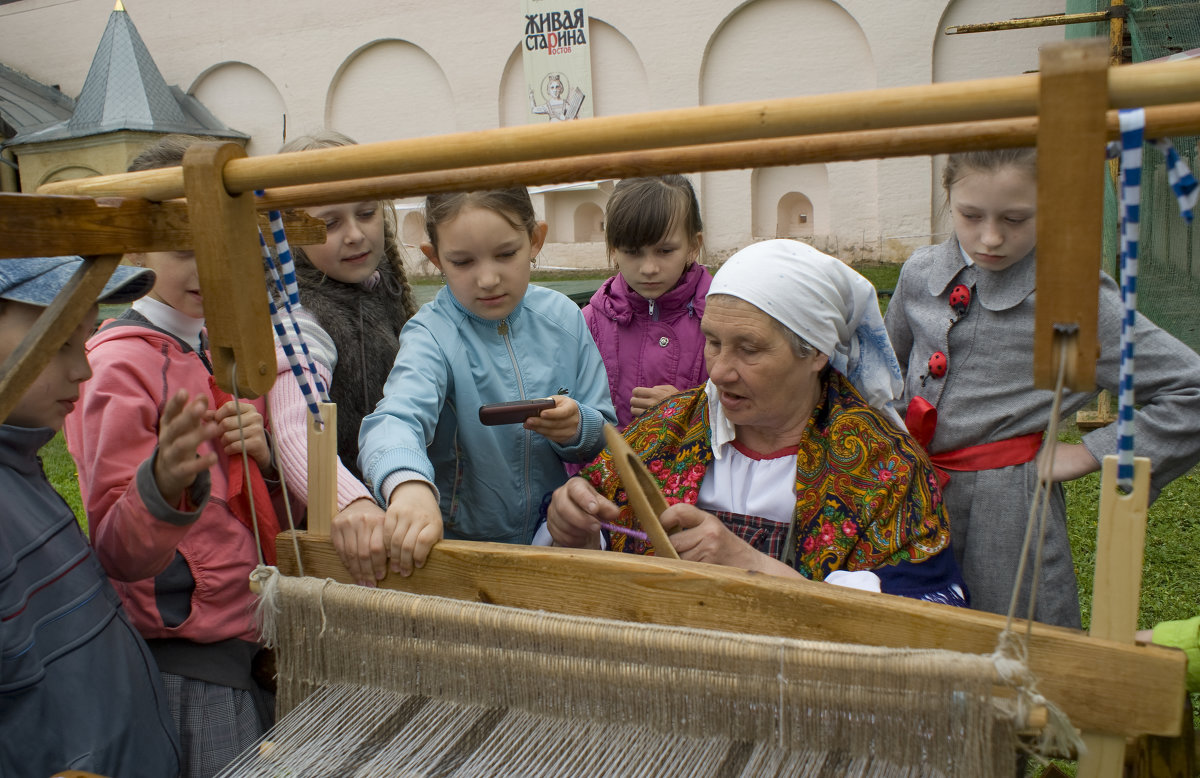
(1071, 461)
(575, 512)
(412, 525)
(182, 429)
(646, 397)
(560, 423)
(238, 419)
(357, 535)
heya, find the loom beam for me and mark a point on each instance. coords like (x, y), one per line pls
(1138, 691)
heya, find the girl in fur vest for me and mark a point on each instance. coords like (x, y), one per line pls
(355, 298)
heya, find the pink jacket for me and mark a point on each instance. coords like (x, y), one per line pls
(646, 343)
(111, 433)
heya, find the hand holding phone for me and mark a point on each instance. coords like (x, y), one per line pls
(514, 412)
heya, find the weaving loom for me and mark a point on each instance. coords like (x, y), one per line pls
(476, 684)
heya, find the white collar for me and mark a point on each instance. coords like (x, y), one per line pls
(171, 320)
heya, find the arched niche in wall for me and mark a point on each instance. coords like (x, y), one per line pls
(242, 97)
(785, 48)
(770, 49)
(390, 89)
(794, 216)
(984, 55)
(412, 228)
(68, 172)
(619, 82)
(589, 223)
(782, 194)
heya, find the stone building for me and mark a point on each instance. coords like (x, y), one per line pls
(400, 69)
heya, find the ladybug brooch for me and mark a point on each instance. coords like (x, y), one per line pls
(938, 364)
(960, 299)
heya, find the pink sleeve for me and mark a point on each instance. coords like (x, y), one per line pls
(112, 431)
(289, 422)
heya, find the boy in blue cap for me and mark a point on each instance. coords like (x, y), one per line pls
(78, 687)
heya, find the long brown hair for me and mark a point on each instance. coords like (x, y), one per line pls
(641, 211)
(512, 204)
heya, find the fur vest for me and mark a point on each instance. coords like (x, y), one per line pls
(365, 326)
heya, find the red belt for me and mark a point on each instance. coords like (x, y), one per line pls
(921, 420)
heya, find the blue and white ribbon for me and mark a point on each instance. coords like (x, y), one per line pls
(1182, 182)
(1133, 123)
(287, 292)
(1184, 186)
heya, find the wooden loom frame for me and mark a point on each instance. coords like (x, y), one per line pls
(1107, 686)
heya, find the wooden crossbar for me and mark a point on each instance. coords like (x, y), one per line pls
(957, 101)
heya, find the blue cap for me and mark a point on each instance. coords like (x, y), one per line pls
(38, 280)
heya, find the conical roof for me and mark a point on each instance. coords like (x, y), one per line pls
(124, 90)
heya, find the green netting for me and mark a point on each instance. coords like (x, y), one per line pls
(1169, 266)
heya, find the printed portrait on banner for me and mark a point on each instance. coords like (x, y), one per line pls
(557, 59)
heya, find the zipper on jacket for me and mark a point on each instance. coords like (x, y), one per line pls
(502, 330)
(654, 310)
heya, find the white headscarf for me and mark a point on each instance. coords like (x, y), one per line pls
(822, 300)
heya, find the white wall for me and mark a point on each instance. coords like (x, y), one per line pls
(379, 70)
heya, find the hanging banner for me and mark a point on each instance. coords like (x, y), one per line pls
(558, 61)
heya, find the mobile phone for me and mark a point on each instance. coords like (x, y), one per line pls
(513, 412)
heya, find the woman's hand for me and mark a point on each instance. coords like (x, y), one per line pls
(646, 397)
(575, 512)
(1071, 461)
(560, 423)
(700, 536)
(412, 525)
(238, 419)
(357, 535)
(183, 427)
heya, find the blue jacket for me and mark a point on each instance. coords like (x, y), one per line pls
(490, 480)
(78, 686)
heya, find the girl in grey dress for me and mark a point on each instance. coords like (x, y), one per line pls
(961, 321)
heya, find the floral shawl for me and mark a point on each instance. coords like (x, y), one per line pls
(866, 494)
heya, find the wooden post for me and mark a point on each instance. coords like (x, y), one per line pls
(225, 236)
(1120, 543)
(322, 471)
(1071, 140)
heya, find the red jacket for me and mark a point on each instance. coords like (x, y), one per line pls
(111, 433)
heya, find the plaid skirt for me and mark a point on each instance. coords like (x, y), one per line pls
(216, 723)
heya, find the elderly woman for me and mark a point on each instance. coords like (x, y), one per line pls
(789, 460)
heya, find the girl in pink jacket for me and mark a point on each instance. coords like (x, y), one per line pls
(646, 319)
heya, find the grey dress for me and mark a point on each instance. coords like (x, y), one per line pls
(987, 394)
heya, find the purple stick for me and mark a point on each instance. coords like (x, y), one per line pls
(633, 533)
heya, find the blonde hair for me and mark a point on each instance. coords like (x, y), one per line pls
(393, 253)
(959, 165)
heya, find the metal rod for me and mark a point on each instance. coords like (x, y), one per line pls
(1050, 20)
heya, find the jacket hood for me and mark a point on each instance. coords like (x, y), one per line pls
(615, 300)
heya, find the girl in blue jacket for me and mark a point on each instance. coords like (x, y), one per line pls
(487, 337)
